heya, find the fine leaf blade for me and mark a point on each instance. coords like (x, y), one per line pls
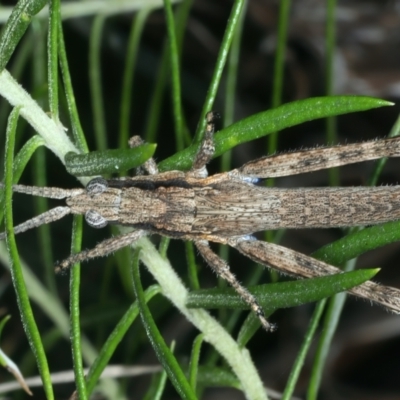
(26, 313)
(252, 324)
(217, 377)
(282, 294)
(114, 339)
(274, 120)
(20, 162)
(108, 161)
(194, 361)
(16, 25)
(358, 242)
(163, 352)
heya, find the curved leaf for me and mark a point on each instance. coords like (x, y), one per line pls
(358, 243)
(283, 294)
(164, 354)
(16, 26)
(108, 161)
(267, 122)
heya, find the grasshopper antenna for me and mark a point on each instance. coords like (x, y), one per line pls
(48, 192)
(49, 216)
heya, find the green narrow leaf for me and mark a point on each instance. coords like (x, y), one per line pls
(192, 266)
(108, 161)
(26, 313)
(330, 323)
(175, 75)
(217, 377)
(231, 82)
(156, 103)
(52, 56)
(156, 387)
(234, 17)
(16, 26)
(379, 164)
(75, 284)
(164, 354)
(359, 242)
(3, 323)
(301, 356)
(20, 162)
(77, 131)
(251, 325)
(41, 204)
(96, 88)
(330, 51)
(114, 339)
(282, 294)
(279, 66)
(129, 69)
(194, 361)
(266, 122)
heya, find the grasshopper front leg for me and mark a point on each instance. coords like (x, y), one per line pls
(207, 148)
(150, 166)
(108, 246)
(102, 249)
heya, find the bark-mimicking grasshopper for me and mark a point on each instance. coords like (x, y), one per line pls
(228, 207)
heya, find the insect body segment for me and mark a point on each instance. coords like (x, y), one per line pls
(228, 207)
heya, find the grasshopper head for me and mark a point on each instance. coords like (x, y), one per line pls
(99, 203)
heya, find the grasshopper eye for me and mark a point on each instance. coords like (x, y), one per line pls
(97, 186)
(95, 220)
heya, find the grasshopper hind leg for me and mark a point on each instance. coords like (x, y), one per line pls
(221, 268)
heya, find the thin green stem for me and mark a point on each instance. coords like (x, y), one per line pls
(99, 121)
(28, 320)
(77, 130)
(127, 89)
(228, 119)
(330, 42)
(39, 166)
(153, 117)
(194, 361)
(20, 162)
(277, 89)
(175, 291)
(231, 81)
(41, 205)
(163, 248)
(176, 83)
(164, 354)
(219, 67)
(331, 320)
(192, 266)
(395, 131)
(279, 66)
(300, 359)
(109, 347)
(75, 280)
(52, 44)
